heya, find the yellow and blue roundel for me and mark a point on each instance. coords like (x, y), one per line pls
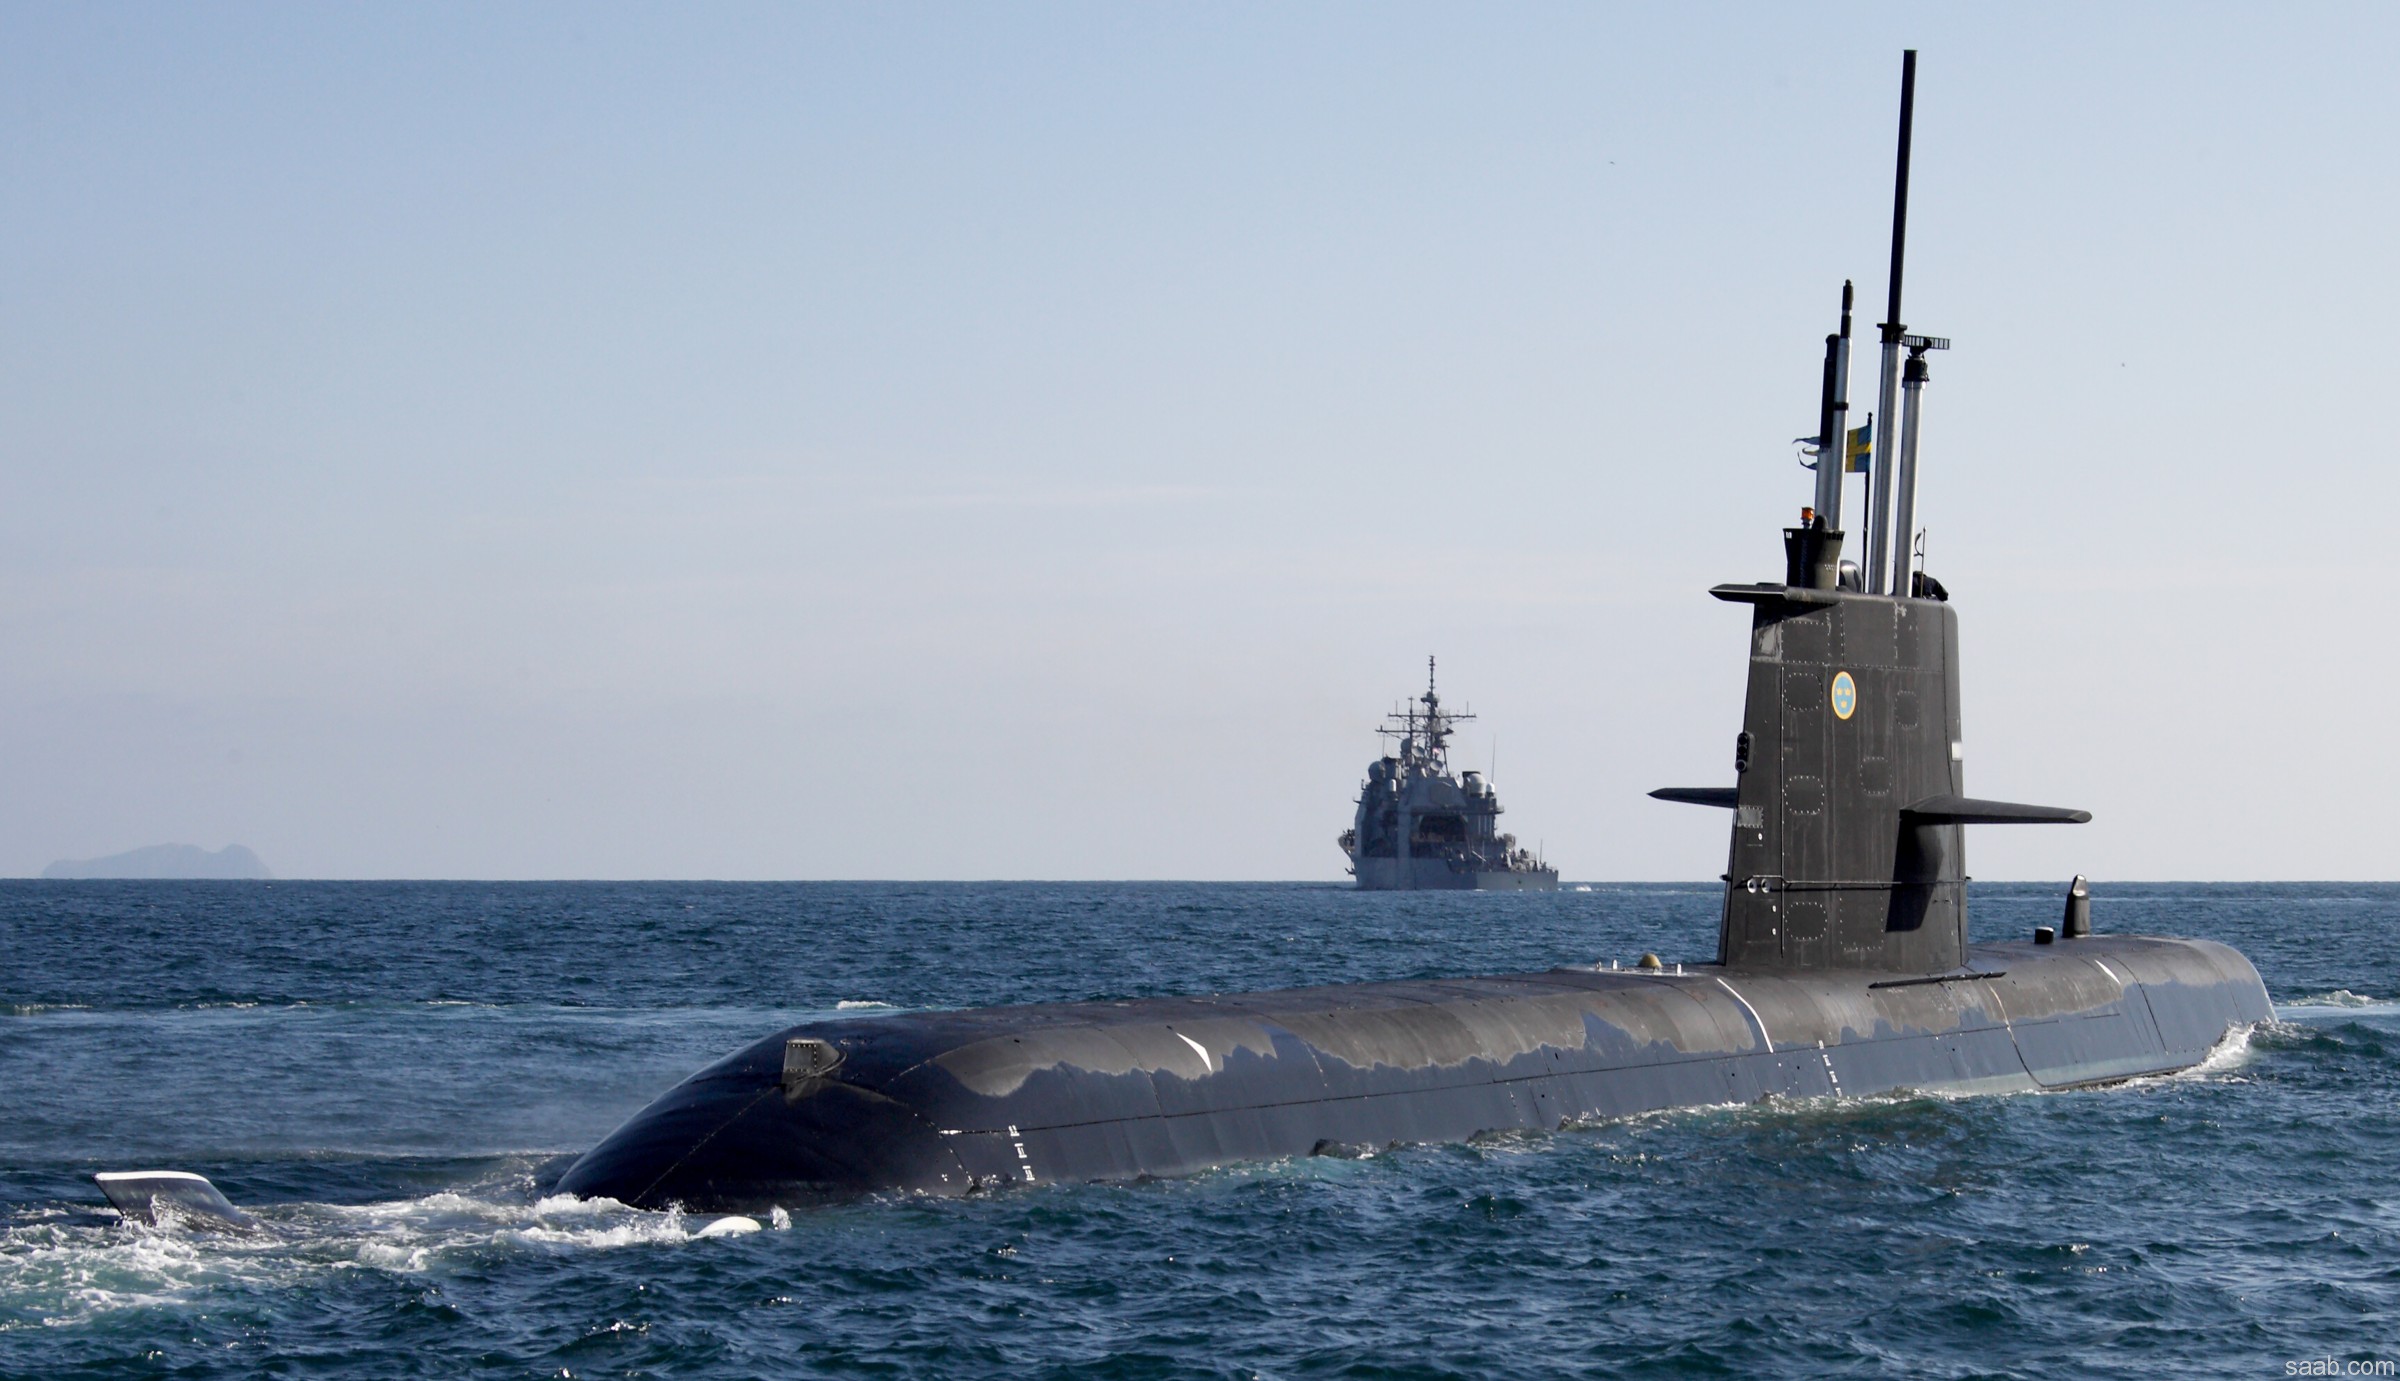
(1845, 695)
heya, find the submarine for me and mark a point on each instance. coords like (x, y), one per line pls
(1843, 967)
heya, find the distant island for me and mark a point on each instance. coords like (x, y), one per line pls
(164, 861)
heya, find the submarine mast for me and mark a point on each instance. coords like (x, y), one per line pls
(1892, 478)
(1879, 513)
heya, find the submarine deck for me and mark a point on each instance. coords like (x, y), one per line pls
(949, 1101)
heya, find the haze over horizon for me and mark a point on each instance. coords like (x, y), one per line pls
(950, 442)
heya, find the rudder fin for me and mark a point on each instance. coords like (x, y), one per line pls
(137, 1194)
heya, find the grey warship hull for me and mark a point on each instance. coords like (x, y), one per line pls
(1419, 827)
(1441, 875)
(949, 1102)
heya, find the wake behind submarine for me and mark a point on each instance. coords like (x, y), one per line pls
(1842, 959)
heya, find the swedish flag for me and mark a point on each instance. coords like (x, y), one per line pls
(1860, 456)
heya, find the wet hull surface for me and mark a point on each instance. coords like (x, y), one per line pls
(949, 1102)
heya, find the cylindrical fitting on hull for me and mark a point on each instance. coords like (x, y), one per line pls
(1812, 557)
(1904, 519)
(1879, 482)
(1833, 420)
(2077, 923)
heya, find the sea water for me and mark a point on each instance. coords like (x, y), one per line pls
(391, 1076)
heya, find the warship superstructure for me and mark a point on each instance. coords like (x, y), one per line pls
(1842, 964)
(1420, 828)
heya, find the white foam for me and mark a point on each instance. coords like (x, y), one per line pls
(2231, 1053)
(859, 1005)
(2339, 997)
(70, 1266)
(2341, 1002)
(631, 1229)
(54, 1274)
(567, 1205)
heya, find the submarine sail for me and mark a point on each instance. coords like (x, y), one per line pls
(1843, 966)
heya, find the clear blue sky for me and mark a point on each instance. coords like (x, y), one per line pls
(1040, 441)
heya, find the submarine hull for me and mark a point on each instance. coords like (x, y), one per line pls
(951, 1102)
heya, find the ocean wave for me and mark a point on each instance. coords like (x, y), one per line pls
(411, 1235)
(2341, 1002)
(2233, 1051)
(62, 1268)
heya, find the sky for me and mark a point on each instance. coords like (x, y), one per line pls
(1041, 441)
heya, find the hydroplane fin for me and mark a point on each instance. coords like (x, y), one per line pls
(1966, 810)
(1721, 797)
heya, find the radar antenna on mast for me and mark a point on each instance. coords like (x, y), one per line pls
(1424, 734)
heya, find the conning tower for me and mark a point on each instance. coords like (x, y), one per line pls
(1850, 792)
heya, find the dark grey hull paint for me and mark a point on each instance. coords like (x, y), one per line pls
(947, 1102)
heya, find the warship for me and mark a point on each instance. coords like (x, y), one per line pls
(1420, 828)
(1842, 965)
